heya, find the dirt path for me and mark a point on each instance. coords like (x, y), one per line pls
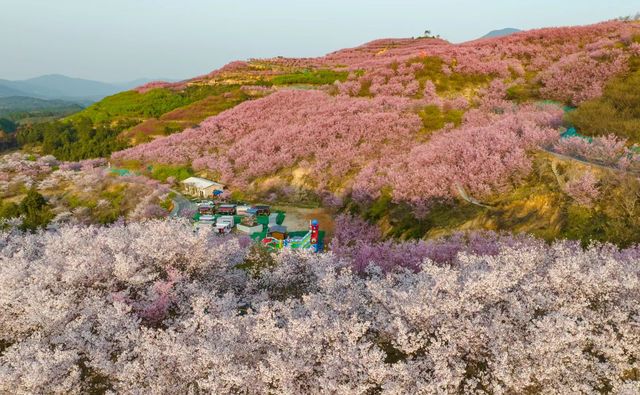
(587, 163)
(298, 218)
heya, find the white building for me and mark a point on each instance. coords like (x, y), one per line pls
(201, 187)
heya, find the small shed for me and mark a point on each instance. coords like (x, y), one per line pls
(201, 187)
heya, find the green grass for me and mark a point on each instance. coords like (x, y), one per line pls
(310, 77)
(617, 111)
(162, 172)
(454, 82)
(433, 118)
(186, 116)
(151, 104)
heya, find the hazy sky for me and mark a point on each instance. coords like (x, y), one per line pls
(119, 40)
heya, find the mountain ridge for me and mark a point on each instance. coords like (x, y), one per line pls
(62, 87)
(507, 31)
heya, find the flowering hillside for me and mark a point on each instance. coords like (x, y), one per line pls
(155, 308)
(333, 135)
(423, 125)
(331, 139)
(482, 233)
(85, 192)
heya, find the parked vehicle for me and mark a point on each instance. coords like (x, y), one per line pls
(225, 224)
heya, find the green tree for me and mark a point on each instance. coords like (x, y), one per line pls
(7, 125)
(9, 210)
(36, 211)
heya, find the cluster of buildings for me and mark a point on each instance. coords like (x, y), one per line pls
(257, 221)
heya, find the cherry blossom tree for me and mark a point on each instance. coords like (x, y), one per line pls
(155, 307)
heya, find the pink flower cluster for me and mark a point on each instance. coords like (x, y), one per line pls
(155, 306)
(608, 151)
(153, 85)
(86, 164)
(584, 189)
(579, 77)
(486, 154)
(533, 50)
(362, 245)
(327, 136)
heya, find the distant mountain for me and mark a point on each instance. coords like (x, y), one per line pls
(9, 91)
(30, 109)
(56, 86)
(501, 32)
(26, 104)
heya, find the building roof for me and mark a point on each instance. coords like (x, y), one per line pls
(202, 183)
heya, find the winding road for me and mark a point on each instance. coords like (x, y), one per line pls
(180, 203)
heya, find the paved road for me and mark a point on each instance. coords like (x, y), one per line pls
(588, 163)
(180, 203)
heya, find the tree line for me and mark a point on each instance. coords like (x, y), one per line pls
(75, 140)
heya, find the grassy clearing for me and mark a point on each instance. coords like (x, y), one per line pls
(434, 118)
(617, 111)
(184, 117)
(310, 77)
(162, 172)
(152, 104)
(446, 83)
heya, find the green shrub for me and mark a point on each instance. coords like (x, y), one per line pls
(616, 112)
(380, 206)
(7, 125)
(9, 210)
(34, 209)
(522, 93)
(74, 140)
(433, 118)
(312, 77)
(454, 82)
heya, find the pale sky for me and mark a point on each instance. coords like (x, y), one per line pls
(120, 40)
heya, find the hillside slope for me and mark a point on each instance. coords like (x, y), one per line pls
(405, 126)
